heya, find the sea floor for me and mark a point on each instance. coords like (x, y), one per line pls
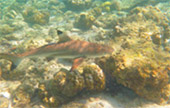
(125, 98)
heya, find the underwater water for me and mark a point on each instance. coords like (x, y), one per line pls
(84, 53)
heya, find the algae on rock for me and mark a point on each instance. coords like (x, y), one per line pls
(141, 67)
(65, 85)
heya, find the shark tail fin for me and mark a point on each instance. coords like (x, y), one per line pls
(13, 58)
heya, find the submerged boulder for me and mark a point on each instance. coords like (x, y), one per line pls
(66, 85)
(141, 67)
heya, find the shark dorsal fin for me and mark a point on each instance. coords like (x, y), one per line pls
(63, 36)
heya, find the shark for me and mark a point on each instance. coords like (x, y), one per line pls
(66, 48)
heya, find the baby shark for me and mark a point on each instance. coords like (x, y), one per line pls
(77, 50)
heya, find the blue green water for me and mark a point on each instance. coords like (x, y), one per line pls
(135, 75)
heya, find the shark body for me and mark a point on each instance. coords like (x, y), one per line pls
(75, 49)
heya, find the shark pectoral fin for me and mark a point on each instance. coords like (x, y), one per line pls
(76, 63)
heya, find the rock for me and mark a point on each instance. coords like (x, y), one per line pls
(141, 67)
(66, 85)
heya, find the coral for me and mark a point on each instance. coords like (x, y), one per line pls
(40, 4)
(96, 12)
(149, 23)
(106, 6)
(34, 16)
(55, 5)
(143, 16)
(141, 67)
(152, 13)
(110, 6)
(22, 95)
(10, 15)
(34, 43)
(77, 5)
(94, 78)
(115, 5)
(6, 29)
(70, 84)
(145, 29)
(65, 85)
(12, 10)
(84, 21)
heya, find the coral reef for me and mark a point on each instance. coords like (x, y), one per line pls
(96, 12)
(152, 13)
(22, 95)
(56, 6)
(84, 21)
(10, 15)
(149, 23)
(141, 67)
(12, 11)
(33, 16)
(65, 85)
(106, 6)
(6, 29)
(138, 30)
(77, 5)
(110, 6)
